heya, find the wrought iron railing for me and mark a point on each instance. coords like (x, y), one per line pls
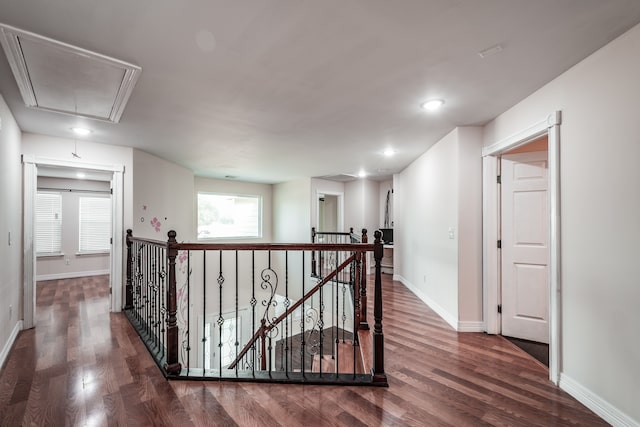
(254, 312)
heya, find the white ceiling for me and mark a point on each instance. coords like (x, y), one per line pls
(275, 90)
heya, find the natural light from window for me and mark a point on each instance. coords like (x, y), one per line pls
(95, 224)
(228, 216)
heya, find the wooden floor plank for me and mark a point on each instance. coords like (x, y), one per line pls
(85, 366)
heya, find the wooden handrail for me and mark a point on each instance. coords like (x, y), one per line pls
(263, 330)
(340, 247)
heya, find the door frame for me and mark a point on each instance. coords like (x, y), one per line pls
(30, 188)
(491, 221)
(340, 218)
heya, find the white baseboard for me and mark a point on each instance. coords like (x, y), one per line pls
(71, 275)
(7, 346)
(446, 316)
(601, 407)
(471, 326)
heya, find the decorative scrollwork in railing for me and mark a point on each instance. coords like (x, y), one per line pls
(312, 317)
(270, 283)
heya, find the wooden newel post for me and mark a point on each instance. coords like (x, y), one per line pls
(128, 289)
(172, 364)
(363, 286)
(379, 377)
(357, 312)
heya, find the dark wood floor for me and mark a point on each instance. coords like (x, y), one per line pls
(82, 365)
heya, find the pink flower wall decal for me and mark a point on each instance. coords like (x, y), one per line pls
(155, 224)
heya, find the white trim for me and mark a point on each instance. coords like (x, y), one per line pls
(47, 161)
(524, 136)
(601, 407)
(30, 188)
(490, 255)
(490, 212)
(71, 275)
(470, 326)
(555, 257)
(440, 311)
(116, 279)
(7, 346)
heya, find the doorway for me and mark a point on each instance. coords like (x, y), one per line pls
(114, 174)
(329, 213)
(492, 233)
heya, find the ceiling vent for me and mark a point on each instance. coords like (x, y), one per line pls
(58, 77)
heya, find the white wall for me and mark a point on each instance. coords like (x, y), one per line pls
(241, 188)
(292, 211)
(469, 232)
(10, 230)
(361, 207)
(370, 206)
(72, 264)
(353, 205)
(438, 228)
(425, 258)
(600, 226)
(164, 191)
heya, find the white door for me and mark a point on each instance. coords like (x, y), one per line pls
(525, 246)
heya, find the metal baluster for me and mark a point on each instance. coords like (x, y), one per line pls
(253, 311)
(302, 343)
(237, 343)
(188, 311)
(286, 307)
(204, 309)
(220, 318)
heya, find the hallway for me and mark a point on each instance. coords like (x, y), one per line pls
(85, 366)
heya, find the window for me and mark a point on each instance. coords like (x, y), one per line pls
(229, 216)
(48, 237)
(95, 224)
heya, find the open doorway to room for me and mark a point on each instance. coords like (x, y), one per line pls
(534, 200)
(329, 211)
(72, 228)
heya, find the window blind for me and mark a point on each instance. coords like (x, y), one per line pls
(95, 224)
(48, 233)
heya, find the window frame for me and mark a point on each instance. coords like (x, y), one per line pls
(257, 197)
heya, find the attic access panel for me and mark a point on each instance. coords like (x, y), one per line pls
(62, 78)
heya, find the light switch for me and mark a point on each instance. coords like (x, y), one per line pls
(452, 233)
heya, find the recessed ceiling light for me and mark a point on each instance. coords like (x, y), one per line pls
(432, 104)
(389, 152)
(81, 131)
(362, 174)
